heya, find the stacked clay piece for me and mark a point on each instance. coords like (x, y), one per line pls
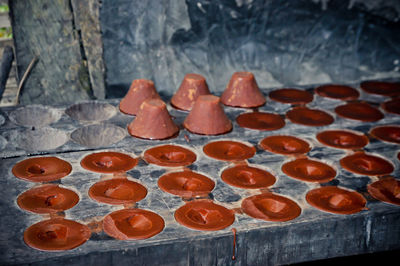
(207, 117)
(140, 90)
(242, 91)
(193, 85)
(153, 121)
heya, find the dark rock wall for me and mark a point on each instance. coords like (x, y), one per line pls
(95, 48)
(283, 42)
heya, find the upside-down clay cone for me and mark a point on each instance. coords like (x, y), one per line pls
(193, 85)
(140, 90)
(207, 117)
(153, 121)
(243, 91)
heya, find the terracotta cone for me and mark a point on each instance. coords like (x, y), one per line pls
(207, 117)
(153, 121)
(193, 85)
(243, 91)
(140, 90)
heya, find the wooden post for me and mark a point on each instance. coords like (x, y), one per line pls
(48, 29)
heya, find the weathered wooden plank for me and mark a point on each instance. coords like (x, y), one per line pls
(45, 28)
(86, 15)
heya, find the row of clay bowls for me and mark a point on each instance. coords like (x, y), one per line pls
(206, 115)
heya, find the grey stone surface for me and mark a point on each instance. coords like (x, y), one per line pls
(313, 235)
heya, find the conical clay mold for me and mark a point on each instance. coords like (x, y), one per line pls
(193, 85)
(243, 91)
(207, 117)
(153, 121)
(140, 90)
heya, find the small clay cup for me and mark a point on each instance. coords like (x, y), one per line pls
(193, 85)
(153, 121)
(207, 117)
(140, 90)
(243, 91)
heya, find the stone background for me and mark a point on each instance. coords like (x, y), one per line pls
(94, 49)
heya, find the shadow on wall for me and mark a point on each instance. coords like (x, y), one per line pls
(282, 43)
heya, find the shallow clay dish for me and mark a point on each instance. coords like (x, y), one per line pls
(309, 117)
(359, 111)
(169, 155)
(292, 96)
(42, 169)
(133, 224)
(204, 215)
(338, 92)
(187, 184)
(366, 164)
(342, 139)
(271, 207)
(56, 234)
(108, 162)
(381, 88)
(287, 145)
(309, 170)
(248, 177)
(392, 106)
(387, 133)
(386, 190)
(47, 199)
(117, 191)
(192, 86)
(260, 121)
(226, 150)
(336, 200)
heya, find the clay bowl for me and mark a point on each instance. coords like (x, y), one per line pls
(117, 191)
(247, 177)
(386, 190)
(286, 145)
(336, 200)
(342, 139)
(42, 169)
(48, 198)
(108, 162)
(271, 207)
(133, 224)
(186, 184)
(227, 150)
(169, 155)
(56, 234)
(338, 92)
(204, 215)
